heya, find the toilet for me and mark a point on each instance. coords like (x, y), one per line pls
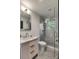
(43, 45)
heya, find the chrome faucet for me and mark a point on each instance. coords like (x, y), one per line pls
(27, 34)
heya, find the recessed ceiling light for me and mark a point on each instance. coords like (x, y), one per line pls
(40, 0)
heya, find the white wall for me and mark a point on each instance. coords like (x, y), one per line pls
(35, 24)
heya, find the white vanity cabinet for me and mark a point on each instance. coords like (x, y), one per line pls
(29, 48)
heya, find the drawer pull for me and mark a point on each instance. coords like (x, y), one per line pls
(35, 56)
(32, 52)
(32, 46)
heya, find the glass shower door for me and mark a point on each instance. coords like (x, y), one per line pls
(52, 36)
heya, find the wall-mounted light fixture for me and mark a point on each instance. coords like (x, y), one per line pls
(26, 10)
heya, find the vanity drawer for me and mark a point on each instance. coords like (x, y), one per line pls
(33, 45)
(33, 53)
(34, 42)
(33, 48)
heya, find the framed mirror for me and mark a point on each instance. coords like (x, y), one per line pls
(25, 21)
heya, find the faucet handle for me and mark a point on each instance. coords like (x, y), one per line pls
(27, 35)
(30, 35)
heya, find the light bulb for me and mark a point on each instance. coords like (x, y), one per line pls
(28, 11)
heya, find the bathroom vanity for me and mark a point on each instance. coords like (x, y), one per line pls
(28, 41)
(29, 48)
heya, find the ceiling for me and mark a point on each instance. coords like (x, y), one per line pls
(41, 7)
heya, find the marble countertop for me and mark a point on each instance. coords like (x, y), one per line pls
(25, 40)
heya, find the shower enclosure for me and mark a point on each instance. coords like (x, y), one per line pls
(49, 34)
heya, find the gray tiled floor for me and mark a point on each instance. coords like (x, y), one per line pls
(49, 54)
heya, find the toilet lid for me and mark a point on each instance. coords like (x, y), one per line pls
(42, 42)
